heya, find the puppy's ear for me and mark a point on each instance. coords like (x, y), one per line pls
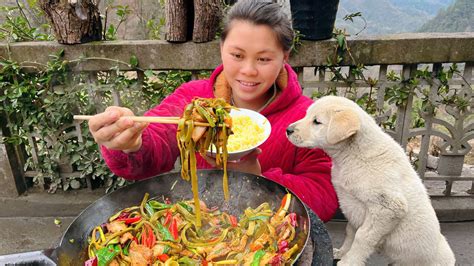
(343, 124)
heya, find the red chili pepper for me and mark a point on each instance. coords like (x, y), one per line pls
(282, 246)
(233, 221)
(152, 238)
(204, 262)
(130, 220)
(283, 201)
(123, 215)
(91, 262)
(144, 236)
(168, 218)
(174, 229)
(148, 236)
(293, 221)
(163, 257)
(276, 260)
(255, 247)
(214, 239)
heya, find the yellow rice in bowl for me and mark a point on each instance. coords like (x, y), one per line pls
(247, 133)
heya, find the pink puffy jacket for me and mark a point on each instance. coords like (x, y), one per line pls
(306, 172)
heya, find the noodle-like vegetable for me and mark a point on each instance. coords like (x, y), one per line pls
(191, 139)
(166, 234)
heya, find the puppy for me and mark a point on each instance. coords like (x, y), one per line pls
(380, 194)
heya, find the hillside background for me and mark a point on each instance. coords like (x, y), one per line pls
(398, 16)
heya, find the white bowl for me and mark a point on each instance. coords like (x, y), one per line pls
(259, 120)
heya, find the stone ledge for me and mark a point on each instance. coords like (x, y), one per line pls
(71, 203)
(454, 209)
(407, 48)
(26, 234)
(42, 204)
(448, 209)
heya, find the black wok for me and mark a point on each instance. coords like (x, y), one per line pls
(245, 190)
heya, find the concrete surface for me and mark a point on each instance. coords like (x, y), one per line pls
(460, 236)
(38, 203)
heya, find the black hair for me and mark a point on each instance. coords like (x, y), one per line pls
(261, 13)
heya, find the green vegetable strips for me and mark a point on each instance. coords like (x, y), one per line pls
(170, 236)
(192, 139)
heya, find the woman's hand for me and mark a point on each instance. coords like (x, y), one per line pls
(115, 132)
(248, 164)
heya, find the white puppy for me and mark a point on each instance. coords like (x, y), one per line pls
(380, 194)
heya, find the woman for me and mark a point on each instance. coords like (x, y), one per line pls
(255, 46)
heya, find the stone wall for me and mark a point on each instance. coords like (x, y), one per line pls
(410, 48)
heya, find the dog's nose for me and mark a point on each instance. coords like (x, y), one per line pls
(290, 130)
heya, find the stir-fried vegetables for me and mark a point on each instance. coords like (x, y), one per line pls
(197, 138)
(157, 233)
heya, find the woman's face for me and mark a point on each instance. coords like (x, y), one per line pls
(252, 59)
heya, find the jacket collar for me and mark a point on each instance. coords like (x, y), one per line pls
(289, 87)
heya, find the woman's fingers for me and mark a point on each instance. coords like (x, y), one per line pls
(98, 121)
(128, 139)
(109, 131)
(115, 132)
(138, 138)
(211, 161)
(122, 110)
(252, 156)
(248, 163)
(109, 116)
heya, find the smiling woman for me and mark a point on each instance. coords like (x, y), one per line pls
(253, 60)
(254, 75)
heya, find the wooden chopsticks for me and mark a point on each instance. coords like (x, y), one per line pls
(148, 119)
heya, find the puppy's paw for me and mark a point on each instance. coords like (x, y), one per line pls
(343, 263)
(347, 262)
(337, 253)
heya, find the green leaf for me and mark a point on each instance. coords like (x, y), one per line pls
(133, 61)
(75, 157)
(149, 73)
(340, 40)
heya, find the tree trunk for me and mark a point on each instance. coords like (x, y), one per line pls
(177, 18)
(207, 15)
(73, 21)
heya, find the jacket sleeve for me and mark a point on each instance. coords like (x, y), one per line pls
(159, 149)
(310, 180)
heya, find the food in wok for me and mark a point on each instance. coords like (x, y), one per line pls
(162, 233)
(192, 138)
